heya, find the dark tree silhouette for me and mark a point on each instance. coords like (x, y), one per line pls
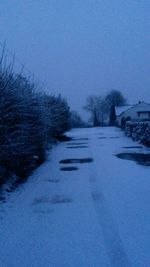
(112, 118)
(115, 97)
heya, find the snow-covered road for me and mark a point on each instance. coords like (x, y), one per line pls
(95, 216)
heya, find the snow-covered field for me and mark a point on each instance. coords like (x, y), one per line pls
(95, 216)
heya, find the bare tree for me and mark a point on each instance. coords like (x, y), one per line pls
(94, 105)
(103, 108)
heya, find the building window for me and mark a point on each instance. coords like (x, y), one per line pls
(144, 115)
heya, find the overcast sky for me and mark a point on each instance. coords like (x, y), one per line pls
(82, 47)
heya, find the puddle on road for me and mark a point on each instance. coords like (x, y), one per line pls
(114, 137)
(142, 159)
(68, 169)
(80, 160)
(52, 180)
(60, 199)
(130, 147)
(76, 144)
(41, 200)
(75, 147)
(56, 199)
(43, 212)
(111, 137)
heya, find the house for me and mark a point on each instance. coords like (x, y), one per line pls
(138, 112)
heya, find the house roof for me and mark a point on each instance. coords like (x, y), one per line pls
(142, 107)
(122, 109)
(139, 107)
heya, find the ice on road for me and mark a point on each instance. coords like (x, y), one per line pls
(84, 207)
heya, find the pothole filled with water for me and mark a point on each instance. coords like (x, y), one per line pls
(75, 147)
(68, 169)
(142, 159)
(76, 144)
(80, 160)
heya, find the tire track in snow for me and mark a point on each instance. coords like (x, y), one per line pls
(113, 243)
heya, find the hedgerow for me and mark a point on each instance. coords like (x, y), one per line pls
(139, 131)
(29, 121)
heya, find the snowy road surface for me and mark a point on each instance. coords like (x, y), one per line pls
(95, 216)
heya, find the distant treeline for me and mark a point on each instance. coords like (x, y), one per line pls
(29, 122)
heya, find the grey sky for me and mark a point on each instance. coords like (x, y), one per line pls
(82, 47)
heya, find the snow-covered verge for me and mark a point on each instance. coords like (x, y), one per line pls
(95, 216)
(139, 131)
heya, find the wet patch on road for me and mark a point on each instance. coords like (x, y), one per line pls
(68, 169)
(130, 147)
(52, 180)
(79, 160)
(76, 147)
(43, 212)
(140, 158)
(41, 200)
(60, 199)
(111, 137)
(114, 137)
(56, 199)
(77, 144)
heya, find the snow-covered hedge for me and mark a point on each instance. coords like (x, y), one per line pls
(139, 131)
(29, 121)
